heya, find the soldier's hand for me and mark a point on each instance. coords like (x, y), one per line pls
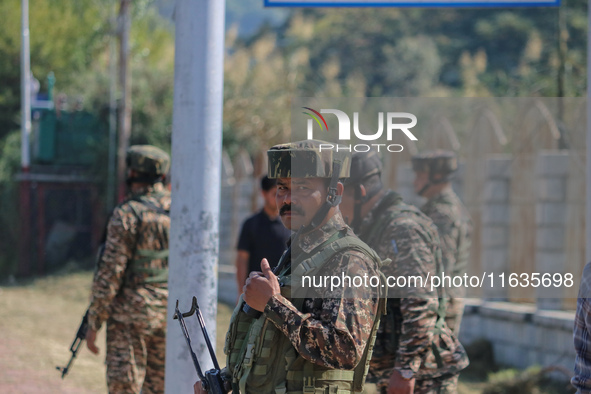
(399, 385)
(198, 388)
(260, 287)
(90, 339)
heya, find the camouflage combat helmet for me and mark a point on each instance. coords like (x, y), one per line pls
(307, 159)
(364, 165)
(439, 164)
(148, 160)
(310, 159)
(439, 161)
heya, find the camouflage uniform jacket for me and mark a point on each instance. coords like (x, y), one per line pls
(455, 228)
(329, 330)
(133, 226)
(406, 335)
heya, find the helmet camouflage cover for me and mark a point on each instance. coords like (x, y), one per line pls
(435, 162)
(307, 159)
(148, 159)
(364, 165)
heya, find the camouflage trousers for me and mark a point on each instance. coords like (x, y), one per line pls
(454, 313)
(135, 358)
(443, 385)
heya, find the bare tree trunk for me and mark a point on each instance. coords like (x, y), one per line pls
(125, 85)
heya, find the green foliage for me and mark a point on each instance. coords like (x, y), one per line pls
(64, 38)
(411, 81)
(152, 66)
(71, 38)
(534, 380)
(259, 83)
(482, 359)
(398, 52)
(9, 220)
(530, 381)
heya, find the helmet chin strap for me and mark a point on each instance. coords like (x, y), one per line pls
(433, 182)
(142, 179)
(332, 199)
(359, 200)
(424, 189)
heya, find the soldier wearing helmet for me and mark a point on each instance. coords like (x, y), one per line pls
(415, 351)
(129, 290)
(434, 171)
(316, 341)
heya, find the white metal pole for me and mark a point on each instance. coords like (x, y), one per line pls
(588, 155)
(25, 87)
(196, 171)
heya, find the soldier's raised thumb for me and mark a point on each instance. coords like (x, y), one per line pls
(266, 269)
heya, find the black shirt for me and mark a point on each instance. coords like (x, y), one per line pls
(262, 238)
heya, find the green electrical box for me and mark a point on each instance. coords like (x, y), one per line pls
(72, 138)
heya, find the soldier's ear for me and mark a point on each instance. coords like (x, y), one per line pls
(363, 191)
(340, 189)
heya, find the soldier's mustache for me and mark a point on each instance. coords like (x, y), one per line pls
(291, 208)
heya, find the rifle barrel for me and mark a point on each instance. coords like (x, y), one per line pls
(179, 315)
(205, 335)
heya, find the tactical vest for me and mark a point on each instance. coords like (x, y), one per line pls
(262, 357)
(138, 272)
(393, 319)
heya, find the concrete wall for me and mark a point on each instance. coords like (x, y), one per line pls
(495, 222)
(521, 335)
(552, 171)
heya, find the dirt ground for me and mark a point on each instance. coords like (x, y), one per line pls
(38, 321)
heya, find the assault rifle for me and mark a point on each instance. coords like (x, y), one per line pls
(80, 337)
(212, 380)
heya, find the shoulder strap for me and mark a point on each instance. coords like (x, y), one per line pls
(361, 370)
(151, 206)
(304, 257)
(331, 248)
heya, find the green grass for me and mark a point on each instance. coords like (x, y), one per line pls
(41, 318)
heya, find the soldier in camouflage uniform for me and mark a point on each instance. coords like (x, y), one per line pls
(129, 290)
(315, 343)
(433, 171)
(415, 351)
